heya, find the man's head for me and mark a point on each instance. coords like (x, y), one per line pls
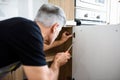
(52, 17)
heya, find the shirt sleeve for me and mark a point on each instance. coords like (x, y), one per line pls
(28, 44)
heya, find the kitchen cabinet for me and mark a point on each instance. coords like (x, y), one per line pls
(65, 70)
(15, 75)
(67, 6)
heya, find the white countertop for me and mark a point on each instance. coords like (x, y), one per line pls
(70, 23)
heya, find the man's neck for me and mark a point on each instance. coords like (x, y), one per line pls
(44, 31)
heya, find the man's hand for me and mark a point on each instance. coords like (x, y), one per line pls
(45, 73)
(65, 36)
(62, 58)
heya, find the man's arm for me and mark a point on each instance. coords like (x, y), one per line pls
(45, 73)
(64, 38)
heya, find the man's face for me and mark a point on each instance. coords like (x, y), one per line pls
(54, 34)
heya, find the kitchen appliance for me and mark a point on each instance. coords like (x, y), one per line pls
(92, 4)
(96, 52)
(96, 48)
(91, 11)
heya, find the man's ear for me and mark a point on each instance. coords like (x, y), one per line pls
(54, 27)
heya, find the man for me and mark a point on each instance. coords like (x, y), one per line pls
(22, 40)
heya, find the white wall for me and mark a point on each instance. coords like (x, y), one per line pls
(20, 8)
(114, 12)
(29, 8)
(8, 8)
(37, 4)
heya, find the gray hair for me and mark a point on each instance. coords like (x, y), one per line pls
(49, 14)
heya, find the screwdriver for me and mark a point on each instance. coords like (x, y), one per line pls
(69, 48)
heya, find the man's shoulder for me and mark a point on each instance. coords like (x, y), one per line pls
(24, 22)
(15, 20)
(20, 19)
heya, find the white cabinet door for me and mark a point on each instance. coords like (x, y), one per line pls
(96, 53)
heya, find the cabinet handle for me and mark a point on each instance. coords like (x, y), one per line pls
(86, 15)
(98, 17)
(73, 79)
(74, 34)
